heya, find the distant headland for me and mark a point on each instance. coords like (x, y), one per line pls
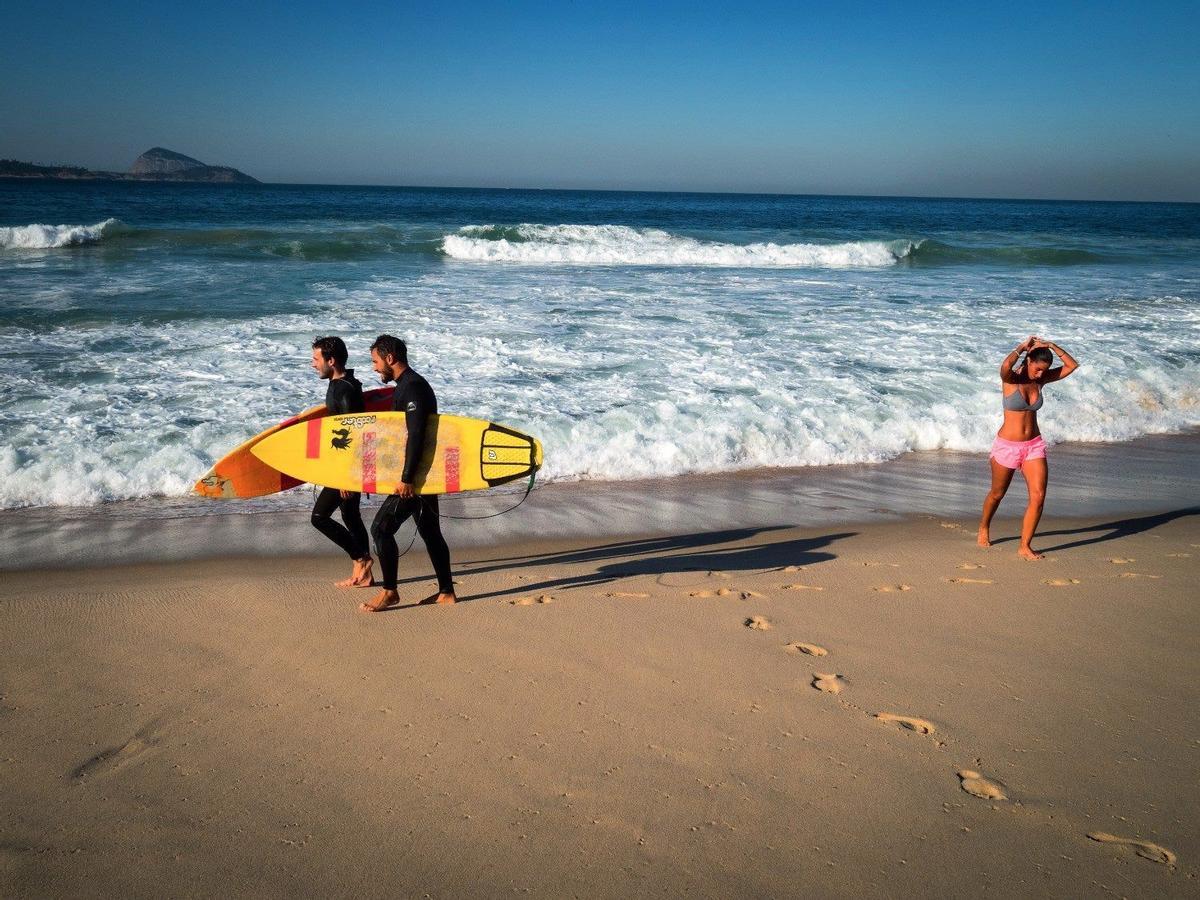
(156, 164)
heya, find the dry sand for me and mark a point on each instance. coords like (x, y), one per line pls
(874, 710)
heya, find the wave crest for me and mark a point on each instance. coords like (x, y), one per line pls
(624, 245)
(46, 237)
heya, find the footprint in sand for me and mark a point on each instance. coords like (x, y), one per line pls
(978, 786)
(628, 594)
(1138, 575)
(920, 726)
(828, 682)
(1144, 849)
(529, 601)
(876, 565)
(115, 758)
(892, 588)
(727, 592)
(1122, 560)
(802, 587)
(1060, 582)
(758, 623)
(970, 581)
(809, 649)
(970, 567)
(792, 569)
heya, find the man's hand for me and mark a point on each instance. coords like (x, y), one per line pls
(345, 495)
(405, 490)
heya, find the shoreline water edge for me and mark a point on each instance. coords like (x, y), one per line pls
(1154, 474)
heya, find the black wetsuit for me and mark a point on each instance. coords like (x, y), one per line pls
(343, 396)
(413, 397)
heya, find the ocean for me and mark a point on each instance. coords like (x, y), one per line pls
(146, 329)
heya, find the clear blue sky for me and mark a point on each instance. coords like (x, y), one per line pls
(1084, 100)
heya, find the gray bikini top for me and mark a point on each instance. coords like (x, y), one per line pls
(1016, 402)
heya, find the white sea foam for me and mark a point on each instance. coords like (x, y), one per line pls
(45, 237)
(623, 245)
(631, 374)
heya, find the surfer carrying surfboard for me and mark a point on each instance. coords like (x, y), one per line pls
(415, 398)
(344, 395)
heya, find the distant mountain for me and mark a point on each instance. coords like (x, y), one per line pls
(161, 164)
(156, 164)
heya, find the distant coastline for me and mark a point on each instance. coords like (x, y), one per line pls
(156, 164)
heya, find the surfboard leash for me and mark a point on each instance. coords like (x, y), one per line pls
(524, 497)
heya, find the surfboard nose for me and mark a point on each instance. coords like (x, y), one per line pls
(506, 455)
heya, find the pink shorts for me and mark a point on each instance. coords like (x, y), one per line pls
(1011, 454)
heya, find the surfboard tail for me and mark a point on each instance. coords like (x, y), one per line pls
(507, 455)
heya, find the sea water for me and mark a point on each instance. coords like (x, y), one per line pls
(146, 329)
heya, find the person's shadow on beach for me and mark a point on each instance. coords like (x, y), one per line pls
(660, 556)
(636, 547)
(1115, 530)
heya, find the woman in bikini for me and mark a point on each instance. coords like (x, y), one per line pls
(1019, 444)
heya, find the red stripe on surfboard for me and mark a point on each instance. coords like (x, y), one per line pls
(451, 467)
(314, 439)
(368, 462)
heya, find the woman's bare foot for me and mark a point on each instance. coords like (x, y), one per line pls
(381, 601)
(985, 537)
(1030, 553)
(361, 576)
(443, 598)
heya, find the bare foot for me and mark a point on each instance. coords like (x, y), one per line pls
(381, 601)
(361, 576)
(1030, 553)
(446, 598)
(984, 539)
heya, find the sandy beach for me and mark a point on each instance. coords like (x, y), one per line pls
(871, 709)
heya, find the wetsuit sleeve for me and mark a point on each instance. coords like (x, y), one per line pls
(417, 407)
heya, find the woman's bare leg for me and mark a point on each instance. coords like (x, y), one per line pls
(1036, 473)
(1001, 479)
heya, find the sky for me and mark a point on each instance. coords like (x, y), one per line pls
(1057, 100)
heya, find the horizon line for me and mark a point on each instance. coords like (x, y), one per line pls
(579, 190)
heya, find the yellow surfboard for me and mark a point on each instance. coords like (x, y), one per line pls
(239, 474)
(365, 452)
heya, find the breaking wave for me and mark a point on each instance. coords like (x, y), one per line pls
(624, 245)
(45, 237)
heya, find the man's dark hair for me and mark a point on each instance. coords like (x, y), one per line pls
(386, 345)
(1041, 354)
(333, 349)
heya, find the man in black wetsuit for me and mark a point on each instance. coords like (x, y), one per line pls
(343, 396)
(413, 397)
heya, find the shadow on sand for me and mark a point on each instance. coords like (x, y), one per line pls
(678, 554)
(1113, 530)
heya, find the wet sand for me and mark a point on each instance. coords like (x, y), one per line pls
(870, 709)
(1101, 480)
